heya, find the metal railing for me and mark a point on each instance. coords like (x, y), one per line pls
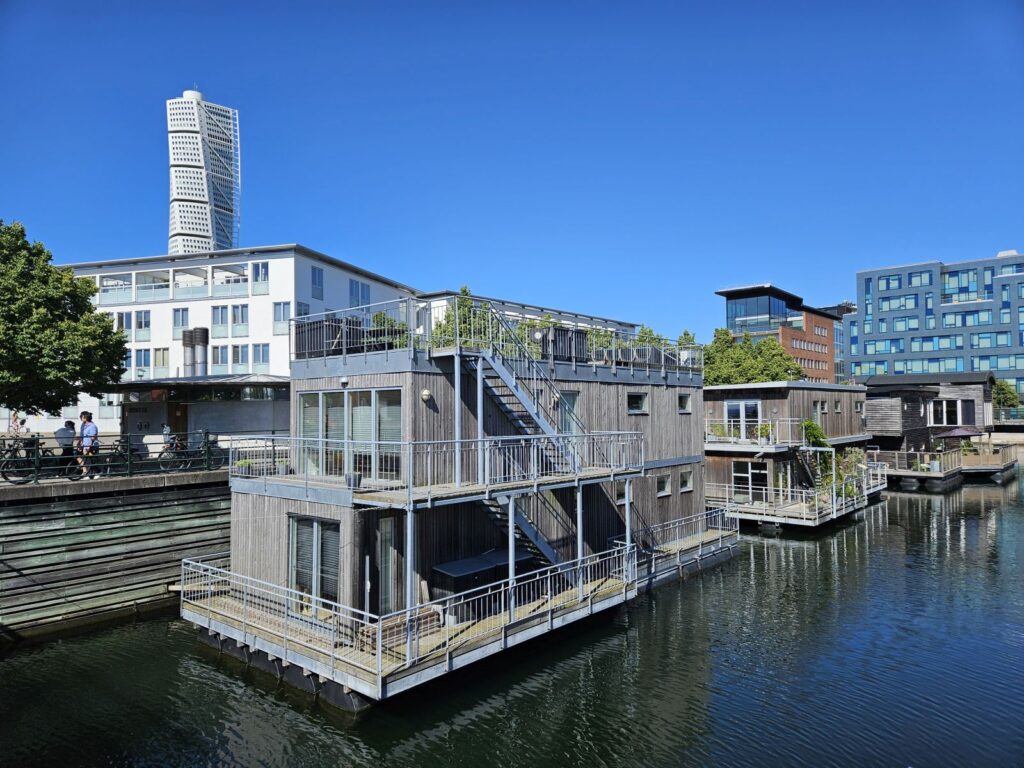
(369, 646)
(801, 504)
(686, 532)
(1009, 415)
(753, 432)
(462, 320)
(1000, 456)
(923, 462)
(30, 459)
(433, 465)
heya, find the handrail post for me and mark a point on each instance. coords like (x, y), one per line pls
(129, 448)
(206, 449)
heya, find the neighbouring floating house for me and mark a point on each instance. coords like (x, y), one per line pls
(760, 462)
(930, 430)
(464, 474)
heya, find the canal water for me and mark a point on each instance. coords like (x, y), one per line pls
(896, 639)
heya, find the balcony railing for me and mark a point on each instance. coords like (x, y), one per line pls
(116, 294)
(919, 462)
(469, 322)
(807, 505)
(713, 526)
(753, 432)
(1009, 415)
(231, 286)
(152, 292)
(191, 290)
(439, 466)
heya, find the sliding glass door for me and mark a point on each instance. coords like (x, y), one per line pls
(315, 557)
(750, 481)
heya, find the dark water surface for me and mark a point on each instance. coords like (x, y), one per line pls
(893, 640)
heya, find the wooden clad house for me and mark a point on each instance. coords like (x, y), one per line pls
(464, 474)
(904, 413)
(757, 455)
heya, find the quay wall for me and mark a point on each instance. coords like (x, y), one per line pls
(73, 555)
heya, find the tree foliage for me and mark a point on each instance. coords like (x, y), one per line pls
(686, 338)
(731, 361)
(53, 345)
(1004, 395)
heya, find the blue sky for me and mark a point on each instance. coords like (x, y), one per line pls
(624, 159)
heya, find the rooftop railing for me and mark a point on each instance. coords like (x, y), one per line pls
(466, 321)
(753, 432)
(435, 466)
(923, 462)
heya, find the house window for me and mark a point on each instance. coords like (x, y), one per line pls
(858, 406)
(636, 403)
(316, 552)
(180, 321)
(219, 355)
(142, 358)
(683, 403)
(282, 314)
(301, 309)
(240, 354)
(685, 480)
(358, 293)
(142, 325)
(161, 357)
(620, 492)
(838, 406)
(261, 354)
(950, 413)
(261, 271)
(317, 279)
(664, 484)
(239, 319)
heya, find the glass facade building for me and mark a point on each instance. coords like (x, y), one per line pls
(940, 318)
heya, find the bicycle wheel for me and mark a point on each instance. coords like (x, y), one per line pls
(16, 469)
(171, 460)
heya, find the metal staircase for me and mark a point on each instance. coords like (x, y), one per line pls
(526, 534)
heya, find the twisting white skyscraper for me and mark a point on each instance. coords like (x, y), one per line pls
(205, 175)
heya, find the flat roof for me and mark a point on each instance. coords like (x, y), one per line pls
(770, 289)
(821, 385)
(254, 251)
(907, 379)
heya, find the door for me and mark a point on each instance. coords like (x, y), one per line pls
(177, 418)
(315, 556)
(309, 453)
(742, 418)
(750, 482)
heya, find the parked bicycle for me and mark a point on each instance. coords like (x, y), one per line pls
(124, 455)
(178, 456)
(24, 459)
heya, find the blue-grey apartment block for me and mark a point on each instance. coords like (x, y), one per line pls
(932, 317)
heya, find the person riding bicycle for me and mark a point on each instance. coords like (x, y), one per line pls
(89, 443)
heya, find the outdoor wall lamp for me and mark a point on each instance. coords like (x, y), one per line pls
(425, 396)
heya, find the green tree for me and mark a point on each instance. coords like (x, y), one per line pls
(686, 338)
(53, 345)
(1004, 395)
(728, 361)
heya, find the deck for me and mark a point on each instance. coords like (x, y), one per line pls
(380, 659)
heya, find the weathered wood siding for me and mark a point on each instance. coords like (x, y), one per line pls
(797, 403)
(75, 555)
(884, 416)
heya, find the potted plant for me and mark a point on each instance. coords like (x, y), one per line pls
(764, 433)
(717, 430)
(243, 466)
(282, 467)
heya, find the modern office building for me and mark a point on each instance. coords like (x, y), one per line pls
(809, 335)
(202, 141)
(205, 329)
(932, 317)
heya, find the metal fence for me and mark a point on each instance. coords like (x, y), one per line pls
(458, 320)
(328, 636)
(31, 459)
(922, 462)
(431, 465)
(753, 432)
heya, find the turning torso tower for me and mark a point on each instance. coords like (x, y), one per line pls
(202, 140)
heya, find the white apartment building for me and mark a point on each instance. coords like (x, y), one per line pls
(239, 303)
(206, 186)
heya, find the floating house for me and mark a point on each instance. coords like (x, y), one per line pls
(465, 474)
(761, 461)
